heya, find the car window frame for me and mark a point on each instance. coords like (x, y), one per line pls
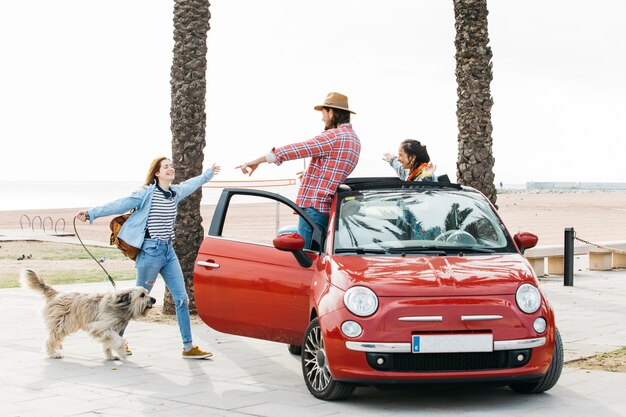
(221, 209)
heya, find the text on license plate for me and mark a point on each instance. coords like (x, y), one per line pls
(451, 343)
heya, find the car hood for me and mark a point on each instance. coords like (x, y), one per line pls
(431, 276)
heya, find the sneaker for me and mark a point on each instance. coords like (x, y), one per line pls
(196, 353)
(128, 351)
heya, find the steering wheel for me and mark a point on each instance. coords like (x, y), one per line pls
(460, 237)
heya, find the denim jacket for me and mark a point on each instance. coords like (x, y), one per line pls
(134, 229)
(404, 173)
(397, 166)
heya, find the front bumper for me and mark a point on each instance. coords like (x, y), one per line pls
(406, 347)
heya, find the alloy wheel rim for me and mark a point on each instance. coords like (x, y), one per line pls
(315, 363)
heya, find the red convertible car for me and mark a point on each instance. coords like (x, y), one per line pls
(412, 283)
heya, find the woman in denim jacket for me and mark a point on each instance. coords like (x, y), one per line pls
(151, 228)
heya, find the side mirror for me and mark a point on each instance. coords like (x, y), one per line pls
(294, 243)
(525, 240)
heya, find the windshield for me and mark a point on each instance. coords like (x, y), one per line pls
(420, 221)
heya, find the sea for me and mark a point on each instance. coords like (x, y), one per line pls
(34, 195)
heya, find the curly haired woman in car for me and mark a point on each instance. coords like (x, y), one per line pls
(412, 162)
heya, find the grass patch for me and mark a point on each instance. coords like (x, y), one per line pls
(55, 277)
(61, 263)
(51, 251)
(614, 361)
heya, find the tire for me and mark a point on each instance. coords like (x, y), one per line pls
(550, 378)
(315, 370)
(294, 350)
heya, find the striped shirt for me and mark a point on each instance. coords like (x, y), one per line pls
(334, 154)
(162, 215)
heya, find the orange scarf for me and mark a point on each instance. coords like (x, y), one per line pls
(415, 173)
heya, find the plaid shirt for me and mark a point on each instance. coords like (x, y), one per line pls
(334, 154)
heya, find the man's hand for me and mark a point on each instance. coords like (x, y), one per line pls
(248, 168)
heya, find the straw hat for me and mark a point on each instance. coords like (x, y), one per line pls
(335, 101)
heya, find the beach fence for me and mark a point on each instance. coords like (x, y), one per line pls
(38, 224)
(282, 182)
(559, 259)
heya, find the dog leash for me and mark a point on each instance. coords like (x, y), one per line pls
(90, 254)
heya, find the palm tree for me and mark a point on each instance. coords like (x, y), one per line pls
(188, 122)
(473, 76)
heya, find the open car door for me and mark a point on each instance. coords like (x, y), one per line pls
(243, 284)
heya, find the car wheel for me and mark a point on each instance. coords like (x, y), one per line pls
(315, 370)
(550, 378)
(294, 350)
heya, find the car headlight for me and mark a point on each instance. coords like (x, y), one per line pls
(528, 298)
(361, 301)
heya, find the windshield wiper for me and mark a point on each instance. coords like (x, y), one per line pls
(361, 251)
(470, 249)
(439, 250)
(426, 250)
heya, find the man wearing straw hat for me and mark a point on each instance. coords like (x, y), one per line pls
(334, 153)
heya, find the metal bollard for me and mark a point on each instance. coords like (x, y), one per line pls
(568, 257)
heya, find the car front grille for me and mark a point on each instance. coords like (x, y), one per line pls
(448, 362)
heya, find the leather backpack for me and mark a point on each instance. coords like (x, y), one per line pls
(116, 225)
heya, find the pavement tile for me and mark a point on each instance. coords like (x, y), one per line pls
(273, 409)
(196, 411)
(575, 376)
(10, 409)
(139, 405)
(224, 399)
(83, 392)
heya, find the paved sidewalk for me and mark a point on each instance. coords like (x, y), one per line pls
(248, 377)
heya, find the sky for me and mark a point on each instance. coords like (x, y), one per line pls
(86, 95)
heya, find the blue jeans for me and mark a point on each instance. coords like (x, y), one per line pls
(158, 257)
(306, 231)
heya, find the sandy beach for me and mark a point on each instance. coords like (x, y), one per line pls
(596, 216)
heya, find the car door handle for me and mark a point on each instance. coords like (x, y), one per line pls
(208, 264)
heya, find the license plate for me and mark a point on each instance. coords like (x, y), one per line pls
(452, 343)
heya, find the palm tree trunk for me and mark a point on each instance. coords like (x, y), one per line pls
(473, 74)
(188, 123)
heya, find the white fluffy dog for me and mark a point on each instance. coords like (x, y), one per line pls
(102, 315)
